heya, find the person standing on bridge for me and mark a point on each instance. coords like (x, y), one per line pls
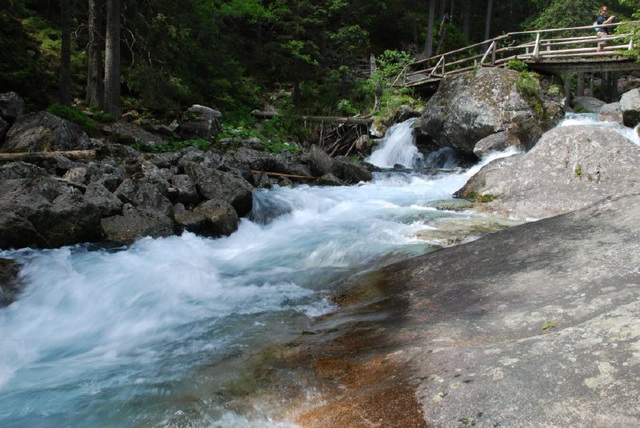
(601, 21)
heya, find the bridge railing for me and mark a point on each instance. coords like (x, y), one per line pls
(556, 44)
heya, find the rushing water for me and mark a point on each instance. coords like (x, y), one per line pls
(120, 337)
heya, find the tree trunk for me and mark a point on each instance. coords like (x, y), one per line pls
(95, 68)
(466, 20)
(65, 54)
(487, 25)
(428, 45)
(112, 60)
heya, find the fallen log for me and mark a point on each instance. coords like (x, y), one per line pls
(282, 174)
(39, 156)
(319, 119)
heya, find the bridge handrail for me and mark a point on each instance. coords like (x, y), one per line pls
(531, 50)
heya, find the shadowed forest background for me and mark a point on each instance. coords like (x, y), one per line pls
(302, 56)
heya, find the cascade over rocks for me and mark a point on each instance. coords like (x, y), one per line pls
(471, 106)
(569, 168)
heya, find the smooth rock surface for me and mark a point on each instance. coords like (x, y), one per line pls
(570, 168)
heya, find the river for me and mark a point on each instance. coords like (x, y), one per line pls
(123, 336)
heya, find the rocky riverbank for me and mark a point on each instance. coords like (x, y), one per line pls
(109, 191)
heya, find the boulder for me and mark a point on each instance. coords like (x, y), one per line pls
(200, 122)
(16, 170)
(187, 191)
(43, 131)
(590, 104)
(319, 161)
(146, 195)
(471, 106)
(630, 106)
(222, 186)
(135, 223)
(570, 168)
(10, 284)
(350, 172)
(11, 106)
(45, 212)
(496, 143)
(210, 218)
(222, 219)
(611, 112)
(108, 203)
(128, 133)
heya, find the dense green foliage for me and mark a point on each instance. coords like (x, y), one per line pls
(300, 56)
(75, 115)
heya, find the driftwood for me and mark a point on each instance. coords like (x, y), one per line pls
(39, 156)
(318, 119)
(281, 174)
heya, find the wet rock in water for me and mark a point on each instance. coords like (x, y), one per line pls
(319, 161)
(10, 285)
(222, 186)
(630, 106)
(135, 223)
(570, 168)
(496, 143)
(611, 112)
(351, 172)
(452, 231)
(590, 104)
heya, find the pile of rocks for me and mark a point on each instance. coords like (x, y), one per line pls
(118, 194)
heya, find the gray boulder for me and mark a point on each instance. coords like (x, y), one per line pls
(611, 112)
(128, 133)
(471, 106)
(570, 168)
(44, 131)
(210, 218)
(496, 143)
(591, 104)
(16, 170)
(350, 172)
(222, 186)
(200, 122)
(46, 213)
(146, 195)
(108, 203)
(319, 161)
(186, 188)
(11, 106)
(630, 106)
(135, 223)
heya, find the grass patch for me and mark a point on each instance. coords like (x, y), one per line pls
(75, 115)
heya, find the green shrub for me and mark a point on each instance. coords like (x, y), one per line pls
(75, 115)
(517, 65)
(528, 84)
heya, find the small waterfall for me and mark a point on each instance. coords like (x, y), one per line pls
(590, 119)
(397, 148)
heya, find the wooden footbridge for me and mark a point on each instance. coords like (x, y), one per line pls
(553, 51)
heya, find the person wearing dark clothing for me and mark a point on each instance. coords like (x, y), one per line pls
(601, 21)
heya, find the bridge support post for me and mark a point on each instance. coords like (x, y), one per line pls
(567, 90)
(580, 87)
